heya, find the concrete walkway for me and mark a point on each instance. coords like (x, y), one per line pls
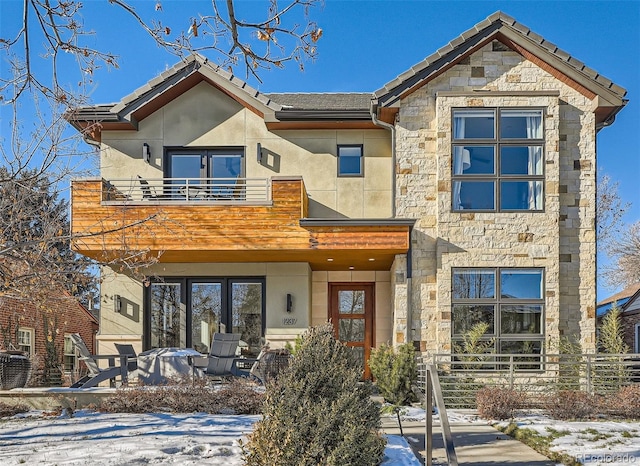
(475, 444)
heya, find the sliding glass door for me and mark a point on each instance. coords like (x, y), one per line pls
(186, 312)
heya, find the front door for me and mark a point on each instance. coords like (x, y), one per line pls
(351, 309)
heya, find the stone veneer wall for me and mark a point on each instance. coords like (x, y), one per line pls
(561, 239)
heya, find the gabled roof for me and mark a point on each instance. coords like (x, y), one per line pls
(521, 39)
(623, 299)
(300, 110)
(166, 87)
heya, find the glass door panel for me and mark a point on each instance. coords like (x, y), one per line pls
(351, 310)
(185, 166)
(168, 316)
(206, 314)
(246, 314)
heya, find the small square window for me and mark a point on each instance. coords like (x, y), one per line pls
(350, 161)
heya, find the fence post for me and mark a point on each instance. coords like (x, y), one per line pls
(589, 374)
(428, 407)
(511, 372)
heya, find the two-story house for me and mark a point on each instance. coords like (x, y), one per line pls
(463, 191)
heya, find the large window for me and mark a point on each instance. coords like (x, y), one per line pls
(509, 300)
(186, 312)
(497, 160)
(219, 170)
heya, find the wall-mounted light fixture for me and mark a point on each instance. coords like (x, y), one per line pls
(146, 153)
(289, 303)
(117, 303)
(259, 152)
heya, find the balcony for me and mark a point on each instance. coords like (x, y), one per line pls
(173, 190)
(213, 220)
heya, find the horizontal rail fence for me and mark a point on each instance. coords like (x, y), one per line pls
(462, 375)
(170, 190)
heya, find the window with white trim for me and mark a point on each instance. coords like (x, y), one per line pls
(497, 160)
(509, 300)
(25, 340)
(637, 338)
(70, 358)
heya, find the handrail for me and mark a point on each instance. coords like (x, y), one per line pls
(171, 190)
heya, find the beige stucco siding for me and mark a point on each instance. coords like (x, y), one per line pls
(561, 239)
(205, 117)
(281, 278)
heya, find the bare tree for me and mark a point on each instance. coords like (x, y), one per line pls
(609, 210)
(37, 156)
(621, 243)
(624, 252)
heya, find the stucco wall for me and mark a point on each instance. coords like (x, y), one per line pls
(281, 278)
(561, 239)
(204, 117)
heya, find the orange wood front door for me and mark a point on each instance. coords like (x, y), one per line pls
(351, 310)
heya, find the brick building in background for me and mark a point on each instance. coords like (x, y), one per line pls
(41, 330)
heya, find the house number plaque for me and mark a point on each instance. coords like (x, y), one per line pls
(289, 321)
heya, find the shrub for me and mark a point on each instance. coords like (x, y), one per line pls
(395, 373)
(7, 410)
(236, 397)
(625, 403)
(499, 403)
(570, 404)
(318, 411)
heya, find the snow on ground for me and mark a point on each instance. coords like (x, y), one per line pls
(591, 443)
(115, 439)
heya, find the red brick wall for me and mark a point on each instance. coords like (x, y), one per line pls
(64, 315)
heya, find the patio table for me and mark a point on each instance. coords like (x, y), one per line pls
(159, 365)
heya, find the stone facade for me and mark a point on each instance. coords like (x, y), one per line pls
(560, 239)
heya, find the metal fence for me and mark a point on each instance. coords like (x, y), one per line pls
(171, 190)
(462, 375)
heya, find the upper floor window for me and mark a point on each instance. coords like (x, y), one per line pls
(350, 160)
(205, 163)
(497, 160)
(25, 340)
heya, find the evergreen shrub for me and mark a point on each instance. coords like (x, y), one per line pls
(395, 372)
(318, 412)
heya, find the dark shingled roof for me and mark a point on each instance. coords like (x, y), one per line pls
(323, 101)
(420, 72)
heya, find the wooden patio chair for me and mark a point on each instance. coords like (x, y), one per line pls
(222, 360)
(97, 374)
(127, 350)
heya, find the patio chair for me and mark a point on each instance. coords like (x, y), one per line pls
(222, 360)
(147, 191)
(97, 374)
(128, 351)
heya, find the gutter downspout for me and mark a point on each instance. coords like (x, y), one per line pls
(374, 118)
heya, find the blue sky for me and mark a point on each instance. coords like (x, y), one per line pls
(368, 43)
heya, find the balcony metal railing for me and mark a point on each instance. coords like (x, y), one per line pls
(462, 375)
(202, 190)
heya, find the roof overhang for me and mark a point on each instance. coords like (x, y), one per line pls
(608, 97)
